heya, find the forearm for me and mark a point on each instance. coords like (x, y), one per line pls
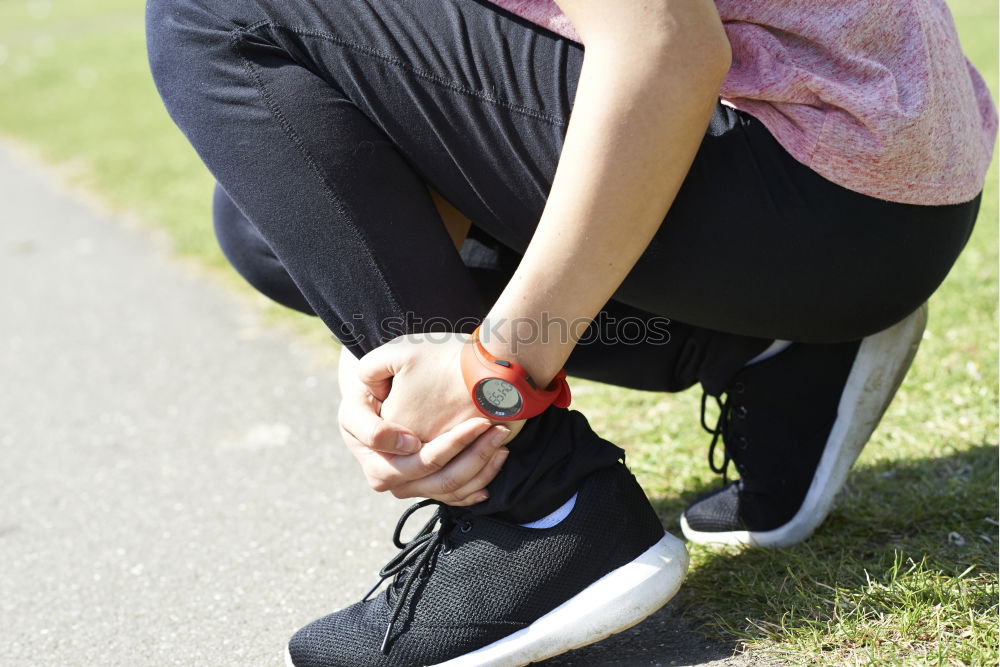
(640, 112)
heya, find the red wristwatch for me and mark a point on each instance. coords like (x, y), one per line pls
(503, 390)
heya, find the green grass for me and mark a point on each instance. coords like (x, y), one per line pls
(903, 571)
(75, 85)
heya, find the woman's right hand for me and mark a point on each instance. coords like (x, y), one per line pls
(454, 467)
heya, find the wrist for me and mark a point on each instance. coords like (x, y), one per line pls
(541, 346)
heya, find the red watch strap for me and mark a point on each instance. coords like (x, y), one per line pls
(563, 398)
(557, 393)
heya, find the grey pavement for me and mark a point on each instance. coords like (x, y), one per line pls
(172, 486)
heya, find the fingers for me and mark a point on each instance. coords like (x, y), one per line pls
(358, 416)
(443, 466)
(377, 368)
(463, 478)
(387, 472)
(475, 490)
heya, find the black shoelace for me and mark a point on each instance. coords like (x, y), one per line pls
(417, 553)
(721, 430)
(729, 411)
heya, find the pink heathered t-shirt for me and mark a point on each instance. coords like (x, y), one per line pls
(874, 95)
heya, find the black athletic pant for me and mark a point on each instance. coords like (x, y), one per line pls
(324, 123)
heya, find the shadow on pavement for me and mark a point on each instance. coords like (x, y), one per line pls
(664, 638)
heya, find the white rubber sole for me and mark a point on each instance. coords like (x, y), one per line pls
(879, 368)
(613, 603)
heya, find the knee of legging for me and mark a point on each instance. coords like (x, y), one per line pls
(168, 43)
(188, 46)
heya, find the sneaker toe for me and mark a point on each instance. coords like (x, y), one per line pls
(342, 639)
(716, 512)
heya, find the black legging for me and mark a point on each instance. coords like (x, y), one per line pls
(324, 124)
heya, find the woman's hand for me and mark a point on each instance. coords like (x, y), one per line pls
(454, 468)
(424, 373)
(462, 453)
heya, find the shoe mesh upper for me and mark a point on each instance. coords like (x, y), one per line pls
(716, 512)
(496, 579)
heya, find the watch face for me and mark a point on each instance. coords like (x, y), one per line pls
(498, 397)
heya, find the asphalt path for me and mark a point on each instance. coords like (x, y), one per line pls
(172, 486)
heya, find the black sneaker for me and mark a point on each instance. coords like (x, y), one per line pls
(479, 591)
(794, 424)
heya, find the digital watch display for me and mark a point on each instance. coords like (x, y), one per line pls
(498, 398)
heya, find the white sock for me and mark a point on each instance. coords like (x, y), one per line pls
(772, 349)
(555, 517)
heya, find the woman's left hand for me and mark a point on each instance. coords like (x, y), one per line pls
(418, 379)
